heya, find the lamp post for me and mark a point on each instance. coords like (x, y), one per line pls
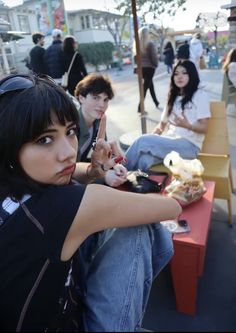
(139, 68)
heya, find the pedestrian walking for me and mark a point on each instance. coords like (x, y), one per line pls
(149, 63)
(36, 62)
(77, 70)
(196, 50)
(183, 51)
(169, 56)
(53, 57)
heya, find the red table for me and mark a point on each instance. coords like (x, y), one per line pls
(187, 263)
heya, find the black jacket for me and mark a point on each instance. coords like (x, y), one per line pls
(77, 72)
(37, 59)
(53, 60)
(183, 52)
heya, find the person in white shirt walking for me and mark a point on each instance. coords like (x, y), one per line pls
(196, 50)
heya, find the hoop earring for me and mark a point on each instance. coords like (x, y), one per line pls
(11, 166)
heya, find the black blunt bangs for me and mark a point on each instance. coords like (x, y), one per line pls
(41, 105)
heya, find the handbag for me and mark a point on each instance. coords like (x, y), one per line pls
(140, 182)
(65, 76)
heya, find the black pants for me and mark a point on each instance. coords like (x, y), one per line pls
(148, 73)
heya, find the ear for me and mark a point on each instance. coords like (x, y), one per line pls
(81, 99)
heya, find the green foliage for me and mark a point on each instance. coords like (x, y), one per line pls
(157, 7)
(96, 53)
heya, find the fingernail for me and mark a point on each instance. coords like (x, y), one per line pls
(118, 159)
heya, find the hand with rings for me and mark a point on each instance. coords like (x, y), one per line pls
(104, 155)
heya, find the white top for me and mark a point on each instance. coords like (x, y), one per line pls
(196, 51)
(199, 108)
(232, 73)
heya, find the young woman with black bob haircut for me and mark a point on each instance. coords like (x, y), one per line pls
(183, 124)
(48, 221)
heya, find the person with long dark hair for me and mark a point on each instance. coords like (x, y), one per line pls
(78, 70)
(169, 57)
(72, 257)
(183, 124)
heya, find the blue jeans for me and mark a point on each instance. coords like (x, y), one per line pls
(150, 149)
(117, 268)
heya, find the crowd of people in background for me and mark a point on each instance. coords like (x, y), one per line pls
(56, 59)
(188, 49)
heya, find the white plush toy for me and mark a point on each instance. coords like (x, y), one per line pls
(185, 169)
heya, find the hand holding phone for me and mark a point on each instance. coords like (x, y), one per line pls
(176, 227)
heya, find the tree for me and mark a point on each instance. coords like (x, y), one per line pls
(212, 21)
(157, 7)
(115, 24)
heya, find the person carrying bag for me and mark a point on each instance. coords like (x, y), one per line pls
(65, 76)
(75, 69)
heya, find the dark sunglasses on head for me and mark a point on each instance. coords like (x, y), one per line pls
(21, 82)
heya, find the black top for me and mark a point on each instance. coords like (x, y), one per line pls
(183, 52)
(36, 59)
(32, 275)
(169, 55)
(77, 72)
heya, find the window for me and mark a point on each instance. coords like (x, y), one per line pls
(24, 23)
(99, 23)
(82, 23)
(87, 21)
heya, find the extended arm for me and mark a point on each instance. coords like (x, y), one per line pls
(103, 207)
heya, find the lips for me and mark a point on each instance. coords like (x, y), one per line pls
(68, 170)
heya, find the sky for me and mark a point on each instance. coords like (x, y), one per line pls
(183, 19)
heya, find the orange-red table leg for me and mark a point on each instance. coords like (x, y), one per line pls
(185, 271)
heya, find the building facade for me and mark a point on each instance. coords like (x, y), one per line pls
(86, 25)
